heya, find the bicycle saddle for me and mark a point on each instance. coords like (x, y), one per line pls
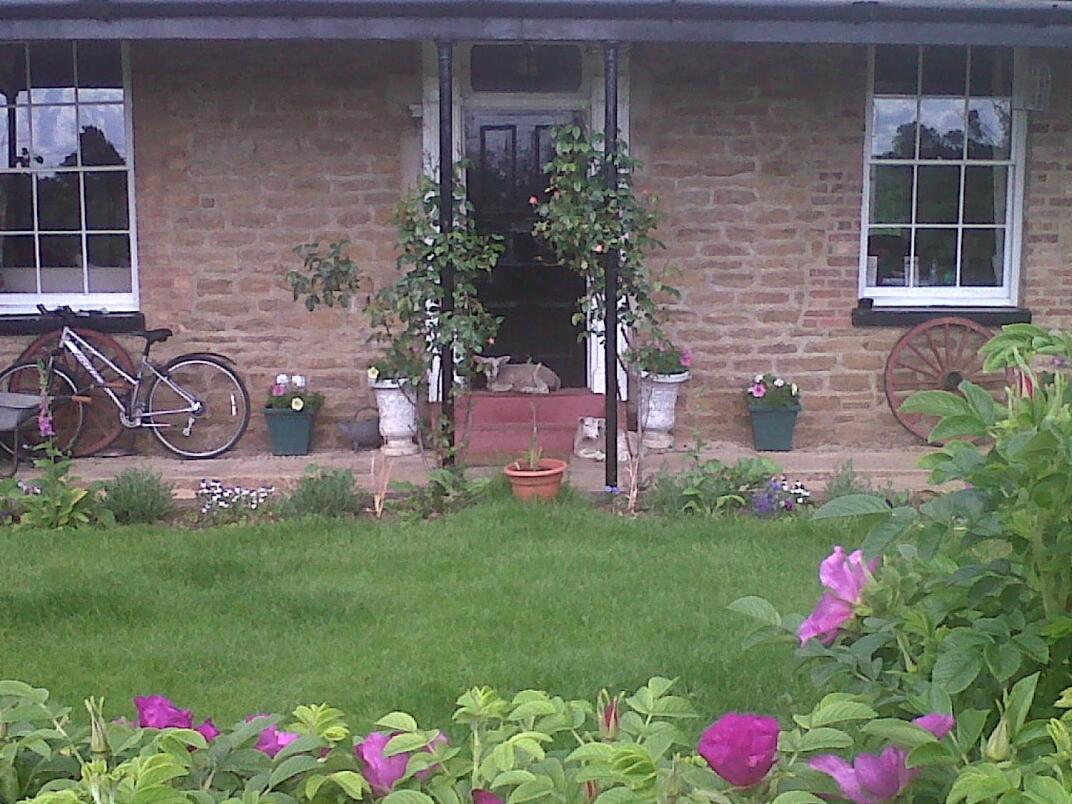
(153, 335)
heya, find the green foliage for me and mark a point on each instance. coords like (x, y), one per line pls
(771, 391)
(138, 496)
(710, 487)
(971, 610)
(658, 358)
(582, 220)
(310, 401)
(329, 277)
(530, 746)
(846, 481)
(407, 318)
(446, 491)
(55, 499)
(325, 492)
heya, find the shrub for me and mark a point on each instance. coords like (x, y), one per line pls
(326, 492)
(525, 747)
(138, 496)
(55, 499)
(964, 606)
(711, 487)
(446, 491)
(846, 481)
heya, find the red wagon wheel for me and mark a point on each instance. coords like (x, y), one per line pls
(101, 426)
(937, 355)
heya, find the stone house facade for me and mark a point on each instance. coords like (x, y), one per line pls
(242, 150)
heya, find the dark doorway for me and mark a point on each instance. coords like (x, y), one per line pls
(535, 297)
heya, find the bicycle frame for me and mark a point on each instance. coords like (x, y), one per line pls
(130, 414)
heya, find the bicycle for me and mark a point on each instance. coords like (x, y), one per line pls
(196, 405)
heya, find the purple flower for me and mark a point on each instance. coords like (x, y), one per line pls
(741, 748)
(686, 357)
(158, 712)
(876, 778)
(383, 772)
(758, 390)
(272, 740)
(208, 730)
(844, 578)
(45, 424)
(279, 389)
(486, 797)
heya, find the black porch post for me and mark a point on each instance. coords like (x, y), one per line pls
(610, 265)
(446, 223)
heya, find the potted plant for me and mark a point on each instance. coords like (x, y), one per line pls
(290, 414)
(395, 380)
(661, 368)
(534, 477)
(773, 405)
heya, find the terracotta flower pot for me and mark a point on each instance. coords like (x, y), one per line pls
(540, 484)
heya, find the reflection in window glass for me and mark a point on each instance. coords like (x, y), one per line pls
(983, 258)
(938, 215)
(64, 179)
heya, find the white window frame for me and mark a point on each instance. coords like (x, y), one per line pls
(21, 303)
(1008, 294)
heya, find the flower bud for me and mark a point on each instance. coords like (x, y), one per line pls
(608, 710)
(998, 747)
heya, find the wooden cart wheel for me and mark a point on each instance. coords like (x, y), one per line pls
(101, 425)
(937, 355)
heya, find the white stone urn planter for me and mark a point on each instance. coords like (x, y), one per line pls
(656, 407)
(397, 404)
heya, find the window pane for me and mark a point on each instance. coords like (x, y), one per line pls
(893, 134)
(936, 257)
(106, 199)
(15, 137)
(983, 258)
(61, 264)
(103, 135)
(12, 74)
(17, 261)
(109, 263)
(16, 203)
(991, 71)
(891, 194)
(944, 70)
(58, 201)
(989, 128)
(525, 68)
(55, 136)
(938, 194)
(52, 72)
(887, 257)
(100, 72)
(941, 131)
(985, 191)
(896, 69)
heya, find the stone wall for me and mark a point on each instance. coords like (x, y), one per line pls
(756, 153)
(244, 151)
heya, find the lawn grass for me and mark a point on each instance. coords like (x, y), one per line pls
(373, 617)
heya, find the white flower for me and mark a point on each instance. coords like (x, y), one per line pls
(793, 389)
(298, 380)
(281, 379)
(778, 383)
(296, 404)
(758, 379)
(373, 373)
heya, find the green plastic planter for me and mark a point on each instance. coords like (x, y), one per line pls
(772, 428)
(289, 433)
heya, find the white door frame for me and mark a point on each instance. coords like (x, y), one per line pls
(589, 99)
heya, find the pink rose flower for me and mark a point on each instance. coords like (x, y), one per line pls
(272, 740)
(844, 578)
(383, 772)
(158, 712)
(486, 797)
(741, 748)
(208, 730)
(877, 778)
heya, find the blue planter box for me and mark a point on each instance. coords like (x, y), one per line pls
(289, 433)
(772, 428)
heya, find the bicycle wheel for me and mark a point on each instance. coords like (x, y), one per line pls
(220, 421)
(67, 413)
(101, 425)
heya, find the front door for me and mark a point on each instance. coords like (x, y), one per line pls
(535, 298)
